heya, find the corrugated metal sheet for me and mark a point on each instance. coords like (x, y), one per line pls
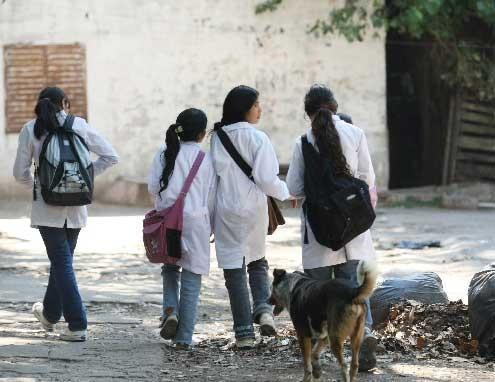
(29, 68)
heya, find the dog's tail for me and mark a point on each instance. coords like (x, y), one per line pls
(367, 273)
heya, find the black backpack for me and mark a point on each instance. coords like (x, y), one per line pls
(65, 170)
(337, 208)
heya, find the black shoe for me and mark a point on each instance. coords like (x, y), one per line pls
(367, 353)
(182, 346)
(169, 328)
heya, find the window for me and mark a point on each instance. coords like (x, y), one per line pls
(29, 68)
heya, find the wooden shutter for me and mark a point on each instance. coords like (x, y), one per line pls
(30, 68)
(472, 140)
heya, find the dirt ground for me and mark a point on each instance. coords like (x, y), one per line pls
(122, 293)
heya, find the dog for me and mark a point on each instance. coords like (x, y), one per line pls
(329, 311)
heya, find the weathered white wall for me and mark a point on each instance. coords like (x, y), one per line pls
(149, 59)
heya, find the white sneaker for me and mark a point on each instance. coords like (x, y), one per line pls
(169, 328)
(267, 324)
(74, 336)
(245, 343)
(38, 313)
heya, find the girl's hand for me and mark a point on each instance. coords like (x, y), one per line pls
(374, 197)
(293, 201)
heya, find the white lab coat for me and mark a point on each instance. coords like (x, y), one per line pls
(29, 149)
(355, 150)
(241, 217)
(199, 204)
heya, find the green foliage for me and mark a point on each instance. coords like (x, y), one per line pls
(268, 5)
(462, 33)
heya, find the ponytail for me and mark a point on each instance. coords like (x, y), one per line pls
(328, 141)
(189, 126)
(170, 154)
(50, 102)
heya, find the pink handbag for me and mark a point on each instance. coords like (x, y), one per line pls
(162, 230)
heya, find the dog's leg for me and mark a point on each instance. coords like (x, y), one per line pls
(305, 344)
(337, 345)
(317, 349)
(319, 346)
(315, 362)
(356, 340)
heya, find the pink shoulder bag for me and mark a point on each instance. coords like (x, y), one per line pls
(162, 230)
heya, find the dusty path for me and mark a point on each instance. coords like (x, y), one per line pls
(123, 294)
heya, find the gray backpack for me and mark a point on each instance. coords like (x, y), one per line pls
(65, 170)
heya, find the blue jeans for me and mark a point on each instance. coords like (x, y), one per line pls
(236, 283)
(343, 271)
(62, 294)
(180, 297)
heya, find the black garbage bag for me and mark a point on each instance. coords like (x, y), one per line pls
(481, 305)
(425, 287)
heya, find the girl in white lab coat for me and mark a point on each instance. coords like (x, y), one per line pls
(241, 217)
(169, 171)
(59, 226)
(345, 145)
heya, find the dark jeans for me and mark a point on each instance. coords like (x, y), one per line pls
(62, 294)
(343, 271)
(236, 283)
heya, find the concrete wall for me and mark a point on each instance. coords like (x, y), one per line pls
(149, 59)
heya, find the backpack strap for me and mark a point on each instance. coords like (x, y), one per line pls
(305, 143)
(238, 159)
(304, 139)
(192, 174)
(69, 121)
(304, 208)
(326, 165)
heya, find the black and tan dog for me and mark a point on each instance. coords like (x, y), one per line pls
(330, 311)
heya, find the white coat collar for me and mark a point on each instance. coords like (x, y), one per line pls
(61, 115)
(190, 143)
(237, 126)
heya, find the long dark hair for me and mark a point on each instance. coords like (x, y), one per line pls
(237, 103)
(190, 124)
(320, 104)
(50, 102)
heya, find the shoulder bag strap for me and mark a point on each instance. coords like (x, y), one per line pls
(238, 159)
(192, 174)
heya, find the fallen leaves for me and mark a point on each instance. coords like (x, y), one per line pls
(434, 331)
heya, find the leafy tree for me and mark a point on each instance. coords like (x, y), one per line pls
(461, 33)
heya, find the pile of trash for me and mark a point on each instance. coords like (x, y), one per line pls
(481, 302)
(423, 287)
(435, 330)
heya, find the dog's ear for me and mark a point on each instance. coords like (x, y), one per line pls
(279, 273)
